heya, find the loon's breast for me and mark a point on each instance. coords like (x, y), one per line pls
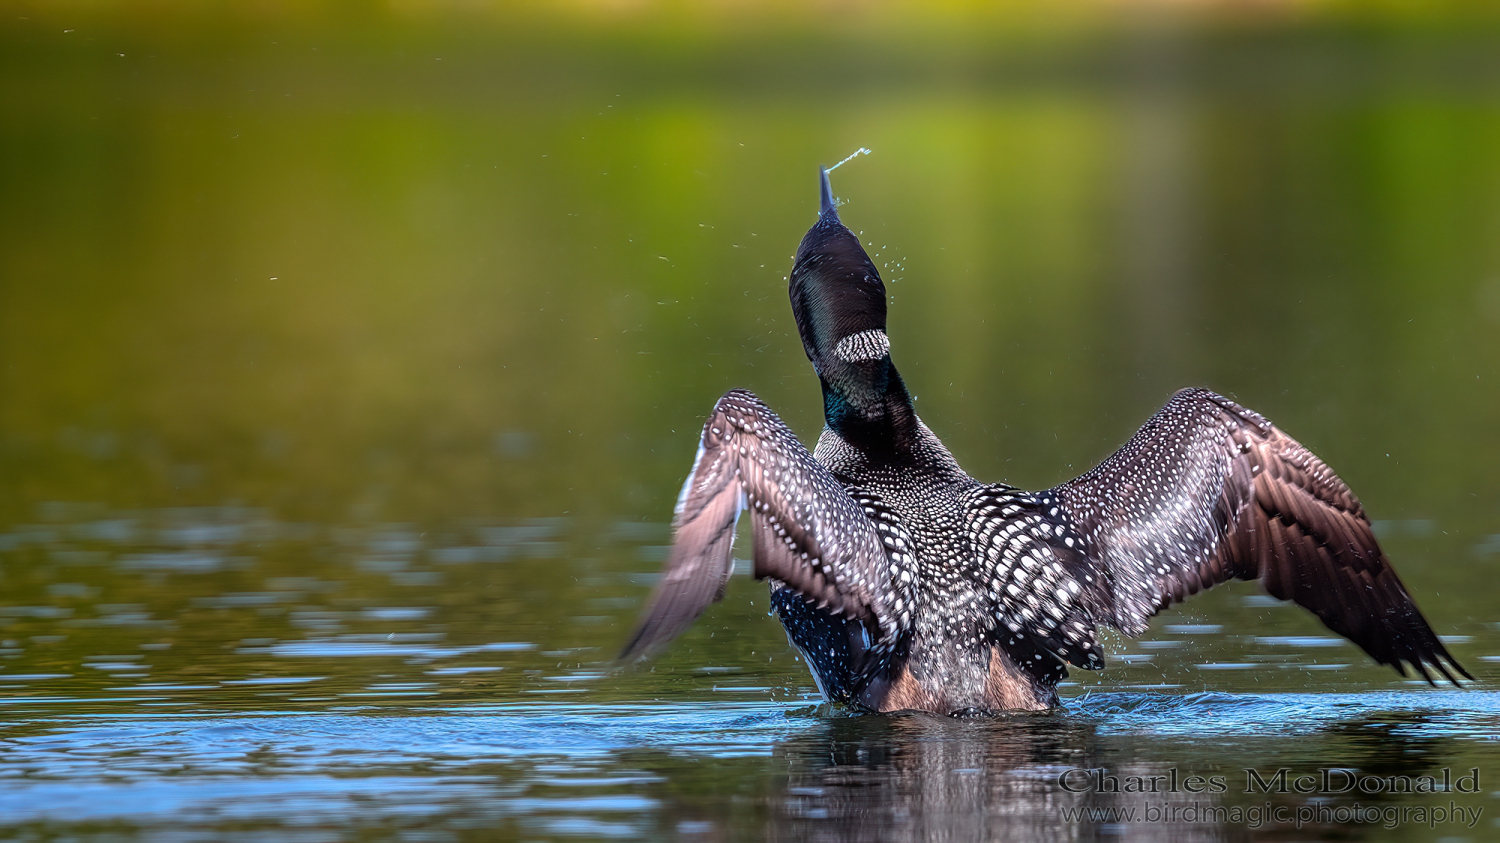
(951, 659)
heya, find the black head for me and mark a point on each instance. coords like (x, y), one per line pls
(839, 302)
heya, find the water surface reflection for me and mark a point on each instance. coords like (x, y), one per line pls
(737, 770)
(215, 672)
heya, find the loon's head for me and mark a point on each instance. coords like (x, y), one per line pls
(839, 302)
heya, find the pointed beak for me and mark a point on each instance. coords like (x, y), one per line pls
(828, 208)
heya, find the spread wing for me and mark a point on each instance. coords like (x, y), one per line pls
(1205, 492)
(809, 532)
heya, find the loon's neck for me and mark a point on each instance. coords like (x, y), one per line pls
(873, 412)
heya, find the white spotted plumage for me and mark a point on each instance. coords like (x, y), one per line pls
(907, 583)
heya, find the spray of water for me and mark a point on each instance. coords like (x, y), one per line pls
(900, 267)
(857, 153)
(829, 203)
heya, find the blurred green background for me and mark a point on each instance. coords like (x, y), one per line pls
(399, 274)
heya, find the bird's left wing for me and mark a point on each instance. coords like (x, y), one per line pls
(809, 532)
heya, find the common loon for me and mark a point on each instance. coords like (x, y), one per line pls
(907, 584)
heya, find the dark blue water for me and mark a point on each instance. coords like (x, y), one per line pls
(738, 769)
(341, 686)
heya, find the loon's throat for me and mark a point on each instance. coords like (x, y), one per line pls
(868, 403)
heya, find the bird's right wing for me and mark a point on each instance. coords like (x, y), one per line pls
(1205, 492)
(809, 532)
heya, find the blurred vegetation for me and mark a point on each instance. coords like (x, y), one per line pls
(421, 270)
(337, 263)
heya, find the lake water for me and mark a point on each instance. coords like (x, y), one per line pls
(348, 376)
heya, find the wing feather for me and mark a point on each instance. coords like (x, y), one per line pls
(1237, 498)
(809, 533)
(1205, 492)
